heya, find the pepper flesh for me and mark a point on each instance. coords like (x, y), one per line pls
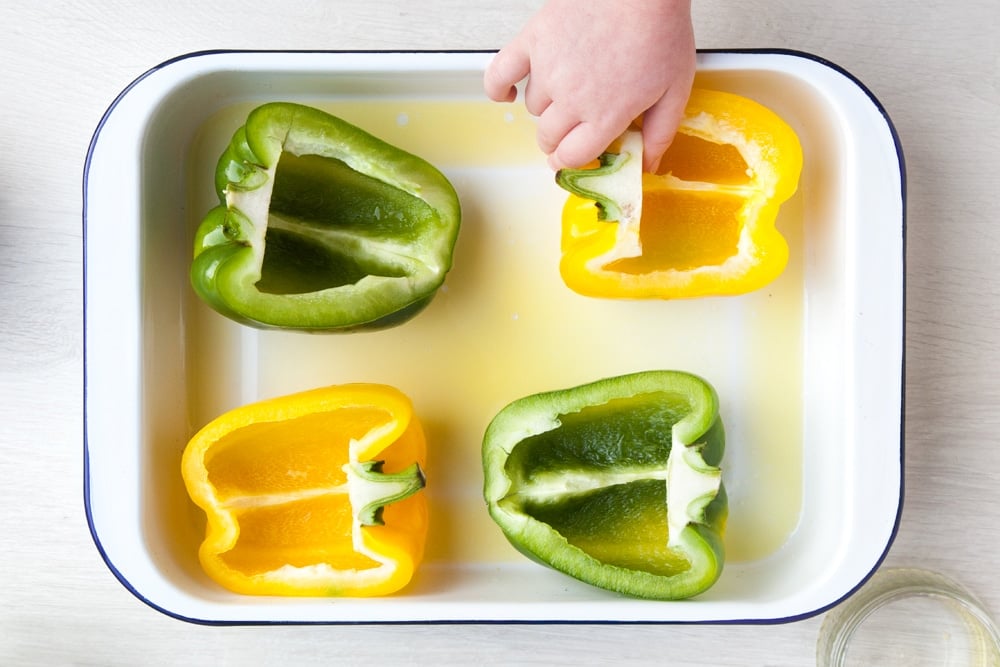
(312, 494)
(322, 226)
(703, 225)
(615, 483)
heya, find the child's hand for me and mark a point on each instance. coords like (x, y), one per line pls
(593, 67)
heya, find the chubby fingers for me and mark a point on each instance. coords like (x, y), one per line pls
(510, 65)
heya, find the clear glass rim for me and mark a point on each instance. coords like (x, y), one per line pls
(891, 585)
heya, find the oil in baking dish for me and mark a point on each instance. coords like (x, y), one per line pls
(504, 325)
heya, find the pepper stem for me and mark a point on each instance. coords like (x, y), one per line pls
(691, 485)
(371, 489)
(615, 185)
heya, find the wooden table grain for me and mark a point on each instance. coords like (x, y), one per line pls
(936, 69)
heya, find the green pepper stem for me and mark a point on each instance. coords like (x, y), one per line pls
(691, 485)
(615, 185)
(371, 489)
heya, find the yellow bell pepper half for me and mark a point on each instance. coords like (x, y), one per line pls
(703, 225)
(312, 494)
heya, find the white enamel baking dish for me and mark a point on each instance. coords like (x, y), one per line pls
(809, 369)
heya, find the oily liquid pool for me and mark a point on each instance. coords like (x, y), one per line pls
(504, 325)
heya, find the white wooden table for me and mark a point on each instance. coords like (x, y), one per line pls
(936, 70)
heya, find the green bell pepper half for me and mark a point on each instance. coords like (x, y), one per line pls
(322, 226)
(616, 482)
